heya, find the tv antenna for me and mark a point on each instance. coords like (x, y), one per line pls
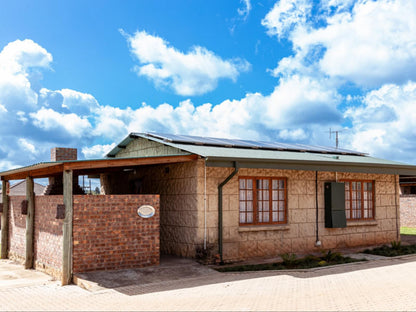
(336, 136)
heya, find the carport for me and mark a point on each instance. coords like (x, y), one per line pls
(74, 226)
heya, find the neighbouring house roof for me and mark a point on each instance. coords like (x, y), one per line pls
(261, 154)
(19, 188)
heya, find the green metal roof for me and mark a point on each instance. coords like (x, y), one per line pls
(220, 156)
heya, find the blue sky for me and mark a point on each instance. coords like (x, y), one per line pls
(86, 73)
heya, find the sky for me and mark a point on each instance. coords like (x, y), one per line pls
(85, 74)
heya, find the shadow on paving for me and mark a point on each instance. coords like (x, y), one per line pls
(179, 273)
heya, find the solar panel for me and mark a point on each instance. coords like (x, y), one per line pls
(209, 141)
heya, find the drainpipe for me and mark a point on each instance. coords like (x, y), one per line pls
(220, 186)
(317, 241)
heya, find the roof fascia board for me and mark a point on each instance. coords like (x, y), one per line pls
(121, 162)
(313, 166)
(40, 172)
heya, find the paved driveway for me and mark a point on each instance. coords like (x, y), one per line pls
(386, 284)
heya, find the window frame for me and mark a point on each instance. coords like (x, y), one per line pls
(362, 218)
(255, 200)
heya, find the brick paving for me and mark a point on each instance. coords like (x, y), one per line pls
(378, 285)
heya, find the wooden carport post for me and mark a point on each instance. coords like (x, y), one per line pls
(5, 221)
(67, 230)
(30, 217)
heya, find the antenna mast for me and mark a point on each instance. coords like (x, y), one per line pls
(336, 136)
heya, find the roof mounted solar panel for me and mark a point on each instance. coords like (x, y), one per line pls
(237, 143)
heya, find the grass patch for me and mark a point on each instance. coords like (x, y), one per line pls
(407, 230)
(290, 261)
(396, 249)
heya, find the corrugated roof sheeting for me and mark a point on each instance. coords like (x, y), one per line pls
(264, 158)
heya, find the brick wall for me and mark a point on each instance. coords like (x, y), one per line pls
(408, 210)
(48, 235)
(17, 229)
(108, 234)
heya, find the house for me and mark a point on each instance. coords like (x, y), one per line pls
(408, 201)
(244, 199)
(19, 188)
(191, 196)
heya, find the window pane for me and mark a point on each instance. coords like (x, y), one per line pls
(242, 218)
(249, 206)
(275, 184)
(275, 217)
(242, 195)
(281, 217)
(281, 206)
(249, 218)
(265, 217)
(275, 195)
(265, 184)
(250, 184)
(275, 206)
(242, 184)
(266, 195)
(242, 206)
(249, 195)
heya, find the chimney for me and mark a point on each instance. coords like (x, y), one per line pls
(62, 153)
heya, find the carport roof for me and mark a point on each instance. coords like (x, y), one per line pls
(46, 169)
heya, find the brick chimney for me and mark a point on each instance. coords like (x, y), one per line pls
(62, 153)
(55, 186)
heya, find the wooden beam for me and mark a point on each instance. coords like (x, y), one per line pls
(5, 221)
(67, 229)
(42, 172)
(47, 170)
(123, 162)
(30, 217)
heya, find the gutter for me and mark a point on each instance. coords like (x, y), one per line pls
(220, 186)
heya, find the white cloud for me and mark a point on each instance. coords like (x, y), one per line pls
(297, 103)
(50, 120)
(97, 151)
(15, 86)
(193, 73)
(3, 109)
(245, 10)
(26, 145)
(286, 15)
(384, 125)
(369, 45)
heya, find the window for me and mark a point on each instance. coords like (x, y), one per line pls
(359, 200)
(262, 200)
